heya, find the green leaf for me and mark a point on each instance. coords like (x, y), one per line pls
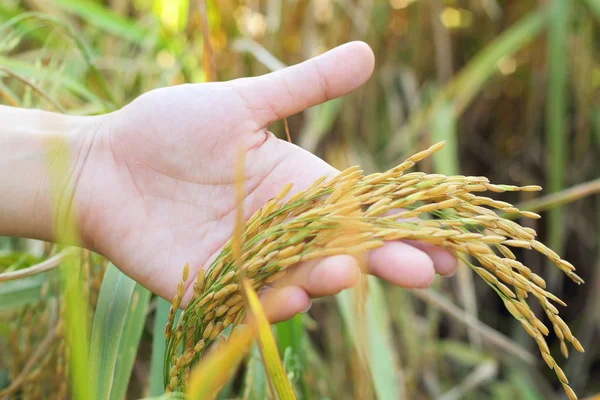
(255, 380)
(20, 292)
(443, 127)
(278, 378)
(502, 390)
(291, 336)
(594, 6)
(522, 381)
(383, 359)
(116, 332)
(73, 85)
(29, 28)
(157, 386)
(15, 260)
(461, 352)
(104, 19)
(320, 121)
(557, 111)
(69, 32)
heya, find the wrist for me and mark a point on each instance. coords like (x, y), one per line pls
(34, 146)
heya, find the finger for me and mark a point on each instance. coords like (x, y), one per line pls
(283, 303)
(402, 264)
(290, 90)
(444, 262)
(323, 277)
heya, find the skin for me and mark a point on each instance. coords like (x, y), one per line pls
(154, 181)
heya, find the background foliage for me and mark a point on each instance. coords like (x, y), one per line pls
(512, 86)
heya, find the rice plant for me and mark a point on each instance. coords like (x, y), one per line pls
(345, 215)
(509, 85)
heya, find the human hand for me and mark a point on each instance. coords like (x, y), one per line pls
(155, 187)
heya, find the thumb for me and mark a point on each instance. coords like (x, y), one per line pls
(290, 90)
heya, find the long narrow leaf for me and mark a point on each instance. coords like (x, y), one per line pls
(556, 121)
(103, 18)
(443, 128)
(157, 386)
(255, 381)
(382, 358)
(70, 33)
(20, 292)
(594, 6)
(291, 335)
(268, 347)
(116, 333)
(69, 83)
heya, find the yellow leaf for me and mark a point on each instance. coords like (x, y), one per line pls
(212, 373)
(268, 348)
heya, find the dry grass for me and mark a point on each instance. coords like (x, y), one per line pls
(349, 214)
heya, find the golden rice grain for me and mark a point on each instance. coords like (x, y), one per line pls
(347, 215)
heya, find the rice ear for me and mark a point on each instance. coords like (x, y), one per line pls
(349, 214)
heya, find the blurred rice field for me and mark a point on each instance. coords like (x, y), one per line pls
(511, 85)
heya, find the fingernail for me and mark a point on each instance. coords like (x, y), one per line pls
(450, 274)
(307, 308)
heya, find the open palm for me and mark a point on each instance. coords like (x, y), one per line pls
(156, 189)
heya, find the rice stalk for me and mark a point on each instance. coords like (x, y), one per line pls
(349, 214)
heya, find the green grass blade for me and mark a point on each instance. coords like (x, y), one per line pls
(473, 77)
(594, 6)
(320, 120)
(17, 293)
(443, 127)
(157, 386)
(278, 379)
(103, 18)
(29, 28)
(520, 379)
(383, 359)
(255, 380)
(76, 321)
(69, 82)
(461, 353)
(118, 324)
(70, 33)
(556, 122)
(291, 335)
